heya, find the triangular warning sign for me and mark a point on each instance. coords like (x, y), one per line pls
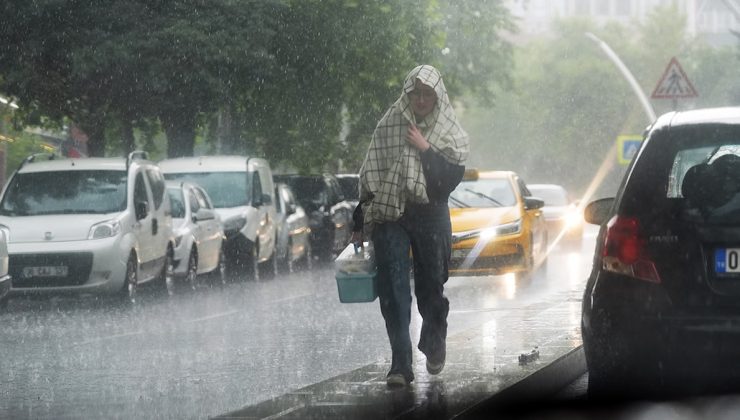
(674, 83)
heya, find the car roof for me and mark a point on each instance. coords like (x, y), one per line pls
(496, 174)
(725, 115)
(545, 187)
(209, 164)
(72, 164)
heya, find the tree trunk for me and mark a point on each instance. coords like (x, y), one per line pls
(127, 135)
(95, 140)
(228, 132)
(180, 130)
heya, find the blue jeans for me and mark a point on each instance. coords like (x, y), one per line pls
(426, 231)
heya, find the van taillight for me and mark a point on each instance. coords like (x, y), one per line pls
(624, 250)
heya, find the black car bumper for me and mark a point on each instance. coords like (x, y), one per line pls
(634, 335)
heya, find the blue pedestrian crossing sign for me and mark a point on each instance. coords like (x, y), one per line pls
(627, 147)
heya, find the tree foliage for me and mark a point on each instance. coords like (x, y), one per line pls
(568, 102)
(300, 82)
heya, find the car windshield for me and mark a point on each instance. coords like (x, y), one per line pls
(65, 192)
(551, 196)
(350, 187)
(310, 192)
(483, 193)
(177, 202)
(226, 189)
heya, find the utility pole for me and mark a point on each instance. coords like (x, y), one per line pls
(649, 111)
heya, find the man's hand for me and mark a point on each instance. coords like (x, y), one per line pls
(356, 238)
(416, 139)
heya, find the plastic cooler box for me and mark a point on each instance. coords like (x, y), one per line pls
(356, 274)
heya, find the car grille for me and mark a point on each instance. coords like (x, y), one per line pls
(78, 266)
(494, 264)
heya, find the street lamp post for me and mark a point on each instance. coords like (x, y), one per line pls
(627, 75)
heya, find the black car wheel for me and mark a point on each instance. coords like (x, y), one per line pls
(191, 276)
(131, 281)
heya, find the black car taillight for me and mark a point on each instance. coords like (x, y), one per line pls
(624, 250)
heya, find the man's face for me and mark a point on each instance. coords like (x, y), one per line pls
(422, 99)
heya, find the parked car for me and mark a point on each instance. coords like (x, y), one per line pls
(661, 309)
(562, 215)
(350, 184)
(497, 226)
(293, 242)
(329, 214)
(243, 194)
(5, 281)
(198, 233)
(87, 225)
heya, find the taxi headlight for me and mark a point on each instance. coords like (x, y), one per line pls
(508, 228)
(105, 229)
(573, 219)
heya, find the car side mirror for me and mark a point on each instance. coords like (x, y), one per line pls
(141, 209)
(203, 214)
(292, 208)
(533, 203)
(597, 212)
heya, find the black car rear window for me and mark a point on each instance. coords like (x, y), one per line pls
(693, 170)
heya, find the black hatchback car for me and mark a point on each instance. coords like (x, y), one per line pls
(329, 214)
(661, 310)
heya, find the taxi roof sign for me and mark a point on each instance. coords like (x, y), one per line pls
(674, 83)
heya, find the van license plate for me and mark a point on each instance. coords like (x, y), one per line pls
(727, 260)
(45, 271)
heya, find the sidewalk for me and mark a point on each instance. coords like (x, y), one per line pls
(482, 363)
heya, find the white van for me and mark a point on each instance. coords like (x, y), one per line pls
(87, 225)
(243, 194)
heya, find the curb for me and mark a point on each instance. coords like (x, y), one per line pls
(541, 384)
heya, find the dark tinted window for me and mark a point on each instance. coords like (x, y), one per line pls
(350, 187)
(310, 192)
(691, 171)
(65, 192)
(176, 202)
(156, 182)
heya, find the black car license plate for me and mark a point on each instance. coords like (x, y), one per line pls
(727, 260)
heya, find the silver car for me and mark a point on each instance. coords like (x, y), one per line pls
(94, 225)
(198, 232)
(293, 231)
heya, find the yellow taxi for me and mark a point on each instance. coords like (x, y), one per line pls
(497, 226)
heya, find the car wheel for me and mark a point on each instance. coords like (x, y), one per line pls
(166, 277)
(308, 258)
(288, 258)
(253, 269)
(131, 281)
(192, 273)
(221, 270)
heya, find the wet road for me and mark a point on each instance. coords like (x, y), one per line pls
(206, 352)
